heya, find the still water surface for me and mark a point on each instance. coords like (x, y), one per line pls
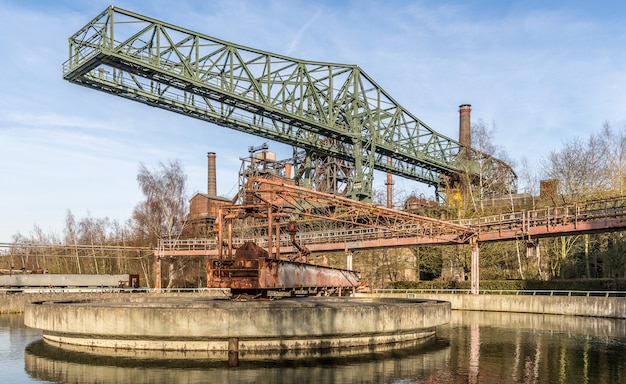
(476, 347)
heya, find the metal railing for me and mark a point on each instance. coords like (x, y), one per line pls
(518, 222)
(43, 290)
(549, 216)
(523, 292)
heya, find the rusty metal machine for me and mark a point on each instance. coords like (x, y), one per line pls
(253, 271)
(272, 262)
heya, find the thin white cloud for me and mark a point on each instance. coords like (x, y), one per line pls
(301, 32)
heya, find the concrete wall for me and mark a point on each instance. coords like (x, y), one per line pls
(198, 324)
(610, 307)
(14, 303)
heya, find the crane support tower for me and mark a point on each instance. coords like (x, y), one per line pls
(334, 110)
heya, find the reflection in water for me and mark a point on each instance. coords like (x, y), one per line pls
(476, 347)
(47, 362)
(529, 348)
(474, 353)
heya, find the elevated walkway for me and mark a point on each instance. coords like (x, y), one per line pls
(595, 216)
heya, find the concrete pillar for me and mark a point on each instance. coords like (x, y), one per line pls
(475, 268)
(349, 260)
(233, 352)
(157, 274)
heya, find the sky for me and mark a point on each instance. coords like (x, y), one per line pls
(538, 72)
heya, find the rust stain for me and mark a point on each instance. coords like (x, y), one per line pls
(252, 270)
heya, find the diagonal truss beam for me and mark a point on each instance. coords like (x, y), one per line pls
(334, 109)
(301, 204)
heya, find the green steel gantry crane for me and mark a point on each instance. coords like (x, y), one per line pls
(333, 109)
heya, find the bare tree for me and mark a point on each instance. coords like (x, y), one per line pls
(71, 236)
(579, 167)
(530, 178)
(163, 213)
(613, 151)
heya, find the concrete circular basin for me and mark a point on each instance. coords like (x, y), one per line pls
(205, 324)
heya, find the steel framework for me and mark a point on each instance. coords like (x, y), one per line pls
(269, 205)
(334, 109)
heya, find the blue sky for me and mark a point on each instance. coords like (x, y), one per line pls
(542, 72)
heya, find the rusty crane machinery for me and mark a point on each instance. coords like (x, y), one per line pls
(274, 209)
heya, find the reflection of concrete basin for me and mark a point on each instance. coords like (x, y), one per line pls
(571, 325)
(46, 362)
(195, 324)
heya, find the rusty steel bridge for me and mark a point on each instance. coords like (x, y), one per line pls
(366, 226)
(283, 207)
(577, 218)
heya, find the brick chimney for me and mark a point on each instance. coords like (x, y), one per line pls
(465, 125)
(212, 179)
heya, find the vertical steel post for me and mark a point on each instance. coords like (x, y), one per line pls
(269, 231)
(230, 238)
(475, 266)
(278, 238)
(389, 184)
(218, 221)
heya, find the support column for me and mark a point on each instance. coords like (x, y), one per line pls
(157, 273)
(348, 260)
(270, 229)
(475, 267)
(230, 238)
(278, 238)
(218, 222)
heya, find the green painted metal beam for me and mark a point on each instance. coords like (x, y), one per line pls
(334, 109)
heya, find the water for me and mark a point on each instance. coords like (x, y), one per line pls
(476, 347)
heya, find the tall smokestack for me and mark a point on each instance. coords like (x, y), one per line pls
(288, 170)
(465, 125)
(212, 179)
(389, 184)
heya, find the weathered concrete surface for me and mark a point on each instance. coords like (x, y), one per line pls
(15, 303)
(610, 307)
(180, 324)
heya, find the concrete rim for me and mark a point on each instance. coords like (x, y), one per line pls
(197, 324)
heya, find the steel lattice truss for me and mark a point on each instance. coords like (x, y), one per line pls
(300, 204)
(334, 109)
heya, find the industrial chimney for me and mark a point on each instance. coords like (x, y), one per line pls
(465, 125)
(212, 179)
